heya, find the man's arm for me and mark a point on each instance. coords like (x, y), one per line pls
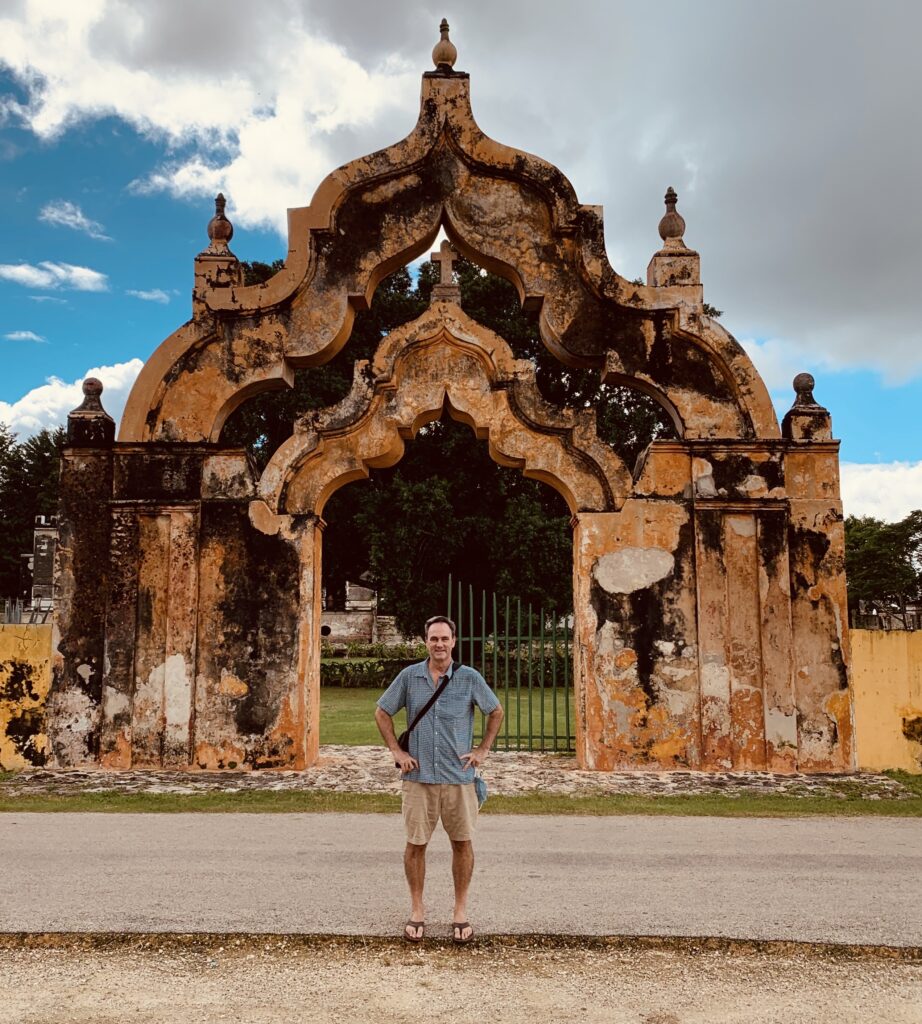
(476, 757)
(385, 726)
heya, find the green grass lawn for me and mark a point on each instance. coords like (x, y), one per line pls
(274, 802)
(347, 716)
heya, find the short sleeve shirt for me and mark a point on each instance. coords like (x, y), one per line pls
(447, 730)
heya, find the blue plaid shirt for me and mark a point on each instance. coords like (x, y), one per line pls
(447, 730)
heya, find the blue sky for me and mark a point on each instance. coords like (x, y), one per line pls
(786, 134)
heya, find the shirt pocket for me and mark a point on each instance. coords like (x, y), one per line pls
(454, 708)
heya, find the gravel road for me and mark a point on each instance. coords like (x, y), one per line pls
(273, 984)
(852, 880)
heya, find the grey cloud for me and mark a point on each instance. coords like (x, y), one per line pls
(790, 130)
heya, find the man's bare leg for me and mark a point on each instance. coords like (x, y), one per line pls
(414, 865)
(462, 868)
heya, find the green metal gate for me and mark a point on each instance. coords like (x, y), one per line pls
(526, 657)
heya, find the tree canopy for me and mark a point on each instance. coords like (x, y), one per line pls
(29, 472)
(883, 562)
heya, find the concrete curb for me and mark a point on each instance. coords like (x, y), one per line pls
(281, 942)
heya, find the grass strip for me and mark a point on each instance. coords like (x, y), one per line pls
(596, 805)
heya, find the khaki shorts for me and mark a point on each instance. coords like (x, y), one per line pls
(424, 803)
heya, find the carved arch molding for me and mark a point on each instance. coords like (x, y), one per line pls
(709, 588)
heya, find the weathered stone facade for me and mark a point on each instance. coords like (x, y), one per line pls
(710, 610)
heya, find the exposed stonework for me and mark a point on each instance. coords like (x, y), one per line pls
(709, 588)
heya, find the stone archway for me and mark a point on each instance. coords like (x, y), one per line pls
(709, 584)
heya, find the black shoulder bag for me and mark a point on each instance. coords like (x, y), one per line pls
(403, 740)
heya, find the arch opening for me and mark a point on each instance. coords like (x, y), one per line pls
(449, 510)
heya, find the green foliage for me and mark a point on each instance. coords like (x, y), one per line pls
(883, 561)
(29, 472)
(361, 673)
(712, 311)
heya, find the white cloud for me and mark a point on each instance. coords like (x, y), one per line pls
(777, 361)
(24, 336)
(262, 126)
(887, 490)
(54, 275)
(49, 298)
(150, 295)
(49, 404)
(68, 215)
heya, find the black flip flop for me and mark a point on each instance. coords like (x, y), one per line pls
(457, 927)
(421, 925)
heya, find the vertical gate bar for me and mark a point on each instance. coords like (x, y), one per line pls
(531, 692)
(566, 678)
(554, 675)
(483, 651)
(459, 624)
(471, 628)
(541, 675)
(448, 613)
(506, 673)
(518, 674)
(483, 633)
(495, 651)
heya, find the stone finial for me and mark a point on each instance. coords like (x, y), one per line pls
(806, 420)
(89, 425)
(672, 226)
(675, 265)
(220, 229)
(804, 384)
(444, 54)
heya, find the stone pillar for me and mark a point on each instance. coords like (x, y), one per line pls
(775, 636)
(165, 639)
(121, 638)
(82, 572)
(258, 620)
(636, 645)
(819, 602)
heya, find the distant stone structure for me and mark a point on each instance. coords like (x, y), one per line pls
(710, 606)
(44, 540)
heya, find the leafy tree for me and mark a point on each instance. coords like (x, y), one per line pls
(883, 562)
(29, 474)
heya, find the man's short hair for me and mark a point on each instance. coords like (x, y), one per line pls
(440, 618)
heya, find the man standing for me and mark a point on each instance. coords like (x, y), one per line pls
(438, 773)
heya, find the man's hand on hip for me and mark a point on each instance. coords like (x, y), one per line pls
(475, 758)
(404, 762)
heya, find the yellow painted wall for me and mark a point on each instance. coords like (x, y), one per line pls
(887, 684)
(25, 678)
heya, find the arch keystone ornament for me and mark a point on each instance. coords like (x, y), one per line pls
(709, 591)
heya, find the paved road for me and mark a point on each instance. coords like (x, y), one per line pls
(814, 879)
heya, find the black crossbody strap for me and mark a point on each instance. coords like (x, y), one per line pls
(438, 693)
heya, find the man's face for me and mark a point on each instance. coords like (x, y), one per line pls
(440, 642)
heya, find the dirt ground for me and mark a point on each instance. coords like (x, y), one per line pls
(274, 981)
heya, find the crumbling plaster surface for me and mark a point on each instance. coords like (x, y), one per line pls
(441, 360)
(508, 211)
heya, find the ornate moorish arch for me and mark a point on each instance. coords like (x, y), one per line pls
(709, 586)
